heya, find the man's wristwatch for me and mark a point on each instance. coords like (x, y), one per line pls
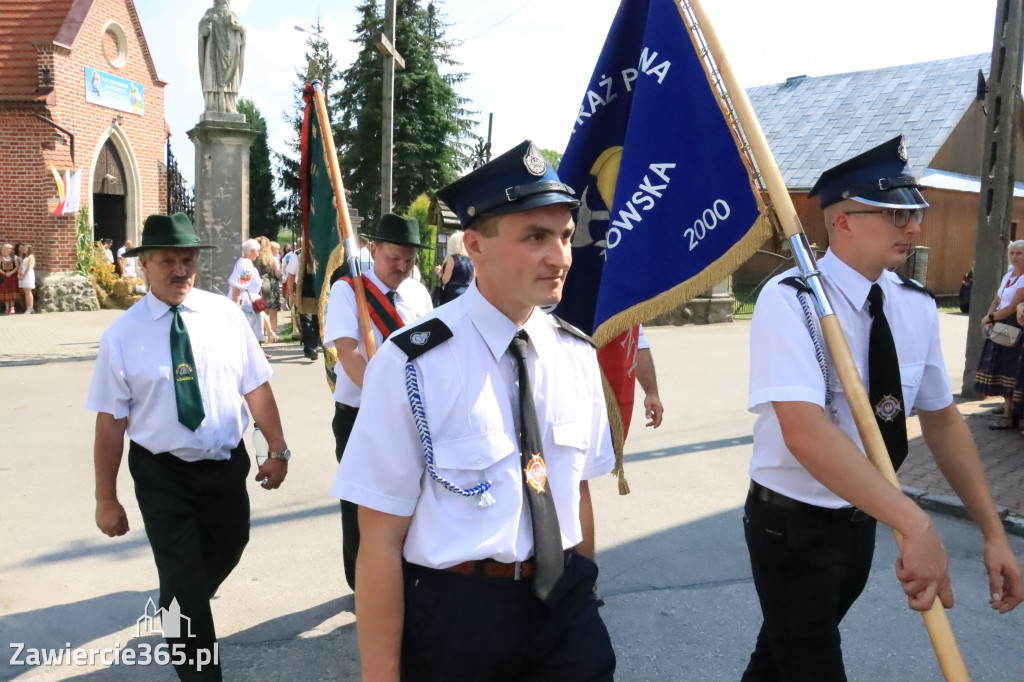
(284, 455)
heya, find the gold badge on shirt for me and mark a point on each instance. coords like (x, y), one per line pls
(536, 472)
(887, 408)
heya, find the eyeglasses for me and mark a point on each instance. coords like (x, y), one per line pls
(900, 216)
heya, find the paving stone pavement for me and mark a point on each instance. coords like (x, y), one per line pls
(1002, 455)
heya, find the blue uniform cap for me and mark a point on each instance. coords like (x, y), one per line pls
(518, 180)
(878, 177)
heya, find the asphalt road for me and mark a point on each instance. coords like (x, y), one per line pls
(675, 574)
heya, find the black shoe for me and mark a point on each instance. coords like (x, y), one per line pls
(311, 354)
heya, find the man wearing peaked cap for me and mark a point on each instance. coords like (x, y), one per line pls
(394, 300)
(476, 559)
(814, 496)
(174, 373)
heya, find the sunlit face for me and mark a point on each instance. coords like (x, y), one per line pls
(880, 243)
(524, 263)
(171, 273)
(1015, 254)
(7, 251)
(392, 263)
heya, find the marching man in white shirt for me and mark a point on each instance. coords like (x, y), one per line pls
(174, 373)
(478, 430)
(814, 496)
(394, 300)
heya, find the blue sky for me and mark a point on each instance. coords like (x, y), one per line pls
(531, 69)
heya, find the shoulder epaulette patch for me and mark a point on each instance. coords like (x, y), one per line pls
(573, 330)
(915, 285)
(339, 272)
(797, 283)
(417, 340)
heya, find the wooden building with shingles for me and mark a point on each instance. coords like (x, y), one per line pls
(814, 123)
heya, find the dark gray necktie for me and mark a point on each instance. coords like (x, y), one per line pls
(885, 388)
(391, 296)
(547, 538)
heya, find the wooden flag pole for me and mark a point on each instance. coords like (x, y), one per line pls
(935, 619)
(344, 225)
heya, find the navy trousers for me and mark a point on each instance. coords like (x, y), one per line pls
(344, 420)
(478, 628)
(197, 519)
(808, 570)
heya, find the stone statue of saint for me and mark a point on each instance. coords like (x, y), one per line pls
(221, 57)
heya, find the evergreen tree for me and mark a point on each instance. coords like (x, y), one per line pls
(263, 219)
(320, 64)
(430, 118)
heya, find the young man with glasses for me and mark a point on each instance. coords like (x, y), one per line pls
(814, 497)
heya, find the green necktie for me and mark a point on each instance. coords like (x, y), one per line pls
(186, 382)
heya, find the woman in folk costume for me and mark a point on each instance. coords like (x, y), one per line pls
(997, 368)
(8, 278)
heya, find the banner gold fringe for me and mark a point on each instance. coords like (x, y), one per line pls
(686, 291)
(618, 433)
(333, 263)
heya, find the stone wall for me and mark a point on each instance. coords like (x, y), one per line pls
(65, 293)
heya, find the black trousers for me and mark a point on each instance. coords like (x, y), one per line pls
(197, 519)
(344, 419)
(309, 330)
(808, 570)
(476, 628)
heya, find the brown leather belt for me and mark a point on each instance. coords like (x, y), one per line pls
(489, 568)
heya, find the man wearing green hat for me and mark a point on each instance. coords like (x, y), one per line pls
(174, 373)
(394, 299)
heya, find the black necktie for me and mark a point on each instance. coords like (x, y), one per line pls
(886, 389)
(186, 382)
(547, 539)
(391, 296)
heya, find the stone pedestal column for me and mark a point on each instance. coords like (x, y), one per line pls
(222, 194)
(710, 307)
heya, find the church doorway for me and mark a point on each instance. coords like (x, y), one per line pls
(109, 197)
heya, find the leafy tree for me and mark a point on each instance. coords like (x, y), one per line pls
(552, 157)
(320, 64)
(420, 210)
(263, 219)
(430, 118)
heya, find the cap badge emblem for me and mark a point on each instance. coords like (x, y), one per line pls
(419, 338)
(536, 472)
(534, 162)
(901, 151)
(887, 408)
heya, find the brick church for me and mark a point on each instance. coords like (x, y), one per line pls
(78, 89)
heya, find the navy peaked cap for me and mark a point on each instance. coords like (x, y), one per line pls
(518, 180)
(878, 177)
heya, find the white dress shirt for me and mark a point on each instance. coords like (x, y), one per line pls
(783, 367)
(1008, 288)
(133, 375)
(469, 390)
(246, 277)
(412, 300)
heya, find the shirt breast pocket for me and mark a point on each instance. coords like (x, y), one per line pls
(468, 462)
(910, 378)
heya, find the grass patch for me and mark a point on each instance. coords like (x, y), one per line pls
(284, 236)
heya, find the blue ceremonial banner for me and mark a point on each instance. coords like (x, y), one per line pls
(668, 206)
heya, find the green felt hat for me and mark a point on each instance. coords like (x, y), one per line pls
(168, 232)
(398, 230)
